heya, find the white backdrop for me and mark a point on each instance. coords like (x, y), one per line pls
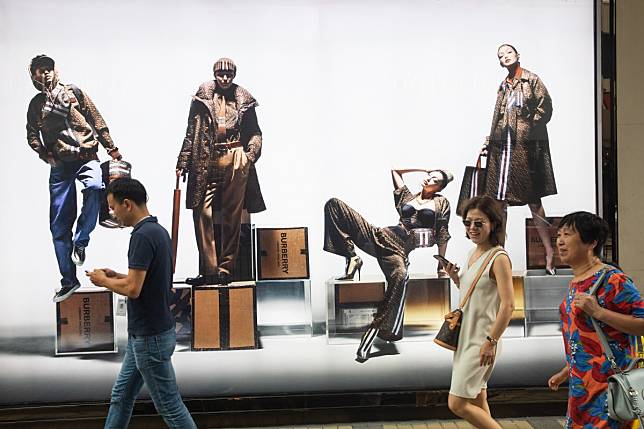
(347, 89)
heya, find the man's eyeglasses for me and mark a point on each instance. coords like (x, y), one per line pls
(476, 223)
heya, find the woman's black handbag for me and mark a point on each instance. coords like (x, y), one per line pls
(473, 184)
(448, 334)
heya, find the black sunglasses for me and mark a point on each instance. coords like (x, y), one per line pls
(477, 223)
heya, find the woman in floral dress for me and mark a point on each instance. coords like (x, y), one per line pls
(618, 308)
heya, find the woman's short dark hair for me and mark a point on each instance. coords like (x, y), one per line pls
(590, 228)
(127, 188)
(493, 210)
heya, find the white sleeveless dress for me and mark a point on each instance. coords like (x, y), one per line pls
(479, 314)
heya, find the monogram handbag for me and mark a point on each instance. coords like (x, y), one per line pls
(448, 334)
(111, 170)
(625, 387)
(473, 184)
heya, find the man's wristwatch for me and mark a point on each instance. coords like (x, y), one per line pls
(494, 341)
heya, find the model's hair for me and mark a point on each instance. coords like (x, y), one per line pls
(225, 64)
(41, 60)
(507, 44)
(446, 177)
(443, 177)
(127, 188)
(493, 210)
(590, 228)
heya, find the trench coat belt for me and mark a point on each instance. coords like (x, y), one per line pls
(227, 145)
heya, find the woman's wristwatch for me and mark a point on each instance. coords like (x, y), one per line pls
(494, 341)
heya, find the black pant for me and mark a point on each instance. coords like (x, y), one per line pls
(344, 227)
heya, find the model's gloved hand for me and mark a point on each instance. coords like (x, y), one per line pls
(250, 157)
(116, 155)
(484, 150)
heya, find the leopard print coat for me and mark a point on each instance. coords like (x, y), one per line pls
(521, 172)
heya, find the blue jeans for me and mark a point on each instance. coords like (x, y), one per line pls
(147, 360)
(62, 210)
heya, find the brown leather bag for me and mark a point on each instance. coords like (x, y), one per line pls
(448, 334)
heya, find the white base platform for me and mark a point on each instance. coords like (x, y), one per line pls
(29, 372)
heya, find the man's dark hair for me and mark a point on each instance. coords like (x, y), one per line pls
(127, 188)
(590, 228)
(493, 210)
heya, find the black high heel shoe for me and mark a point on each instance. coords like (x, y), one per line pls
(354, 264)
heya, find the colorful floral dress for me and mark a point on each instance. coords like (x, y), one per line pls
(588, 367)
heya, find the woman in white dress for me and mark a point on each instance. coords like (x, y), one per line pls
(485, 315)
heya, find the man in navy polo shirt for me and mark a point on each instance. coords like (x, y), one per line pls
(151, 339)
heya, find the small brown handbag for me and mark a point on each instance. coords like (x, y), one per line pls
(448, 334)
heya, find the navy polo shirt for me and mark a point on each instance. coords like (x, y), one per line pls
(150, 250)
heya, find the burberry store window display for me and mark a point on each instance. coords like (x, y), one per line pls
(64, 128)
(424, 217)
(222, 144)
(519, 166)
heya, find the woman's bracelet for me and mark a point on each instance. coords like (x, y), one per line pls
(494, 341)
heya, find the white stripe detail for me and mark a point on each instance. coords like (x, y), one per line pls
(401, 309)
(367, 341)
(505, 168)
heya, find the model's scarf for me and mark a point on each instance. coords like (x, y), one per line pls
(514, 96)
(58, 104)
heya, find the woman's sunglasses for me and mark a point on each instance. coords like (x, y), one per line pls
(476, 223)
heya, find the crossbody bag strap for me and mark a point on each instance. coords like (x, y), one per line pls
(602, 338)
(478, 276)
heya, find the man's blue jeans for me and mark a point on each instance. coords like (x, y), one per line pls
(147, 360)
(62, 210)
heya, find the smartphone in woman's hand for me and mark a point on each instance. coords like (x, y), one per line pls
(444, 262)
